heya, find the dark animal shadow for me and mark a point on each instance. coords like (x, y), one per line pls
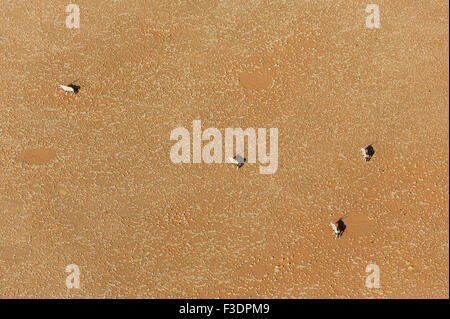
(370, 151)
(341, 227)
(75, 87)
(239, 160)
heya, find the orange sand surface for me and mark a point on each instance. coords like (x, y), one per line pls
(87, 179)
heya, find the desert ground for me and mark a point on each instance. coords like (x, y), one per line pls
(87, 178)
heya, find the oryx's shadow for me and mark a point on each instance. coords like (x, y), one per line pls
(341, 227)
(240, 160)
(370, 151)
(75, 87)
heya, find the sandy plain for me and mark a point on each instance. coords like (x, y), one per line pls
(87, 179)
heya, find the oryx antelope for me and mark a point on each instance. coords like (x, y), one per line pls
(367, 153)
(70, 88)
(67, 89)
(335, 230)
(238, 160)
(339, 228)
